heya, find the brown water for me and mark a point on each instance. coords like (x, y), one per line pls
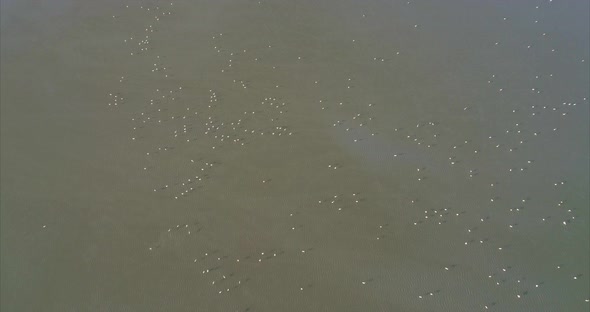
(294, 156)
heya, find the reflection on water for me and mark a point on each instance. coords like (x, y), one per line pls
(289, 156)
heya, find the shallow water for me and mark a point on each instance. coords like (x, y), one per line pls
(294, 156)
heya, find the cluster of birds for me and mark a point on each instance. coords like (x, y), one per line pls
(175, 121)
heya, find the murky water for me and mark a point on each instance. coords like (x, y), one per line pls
(295, 156)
